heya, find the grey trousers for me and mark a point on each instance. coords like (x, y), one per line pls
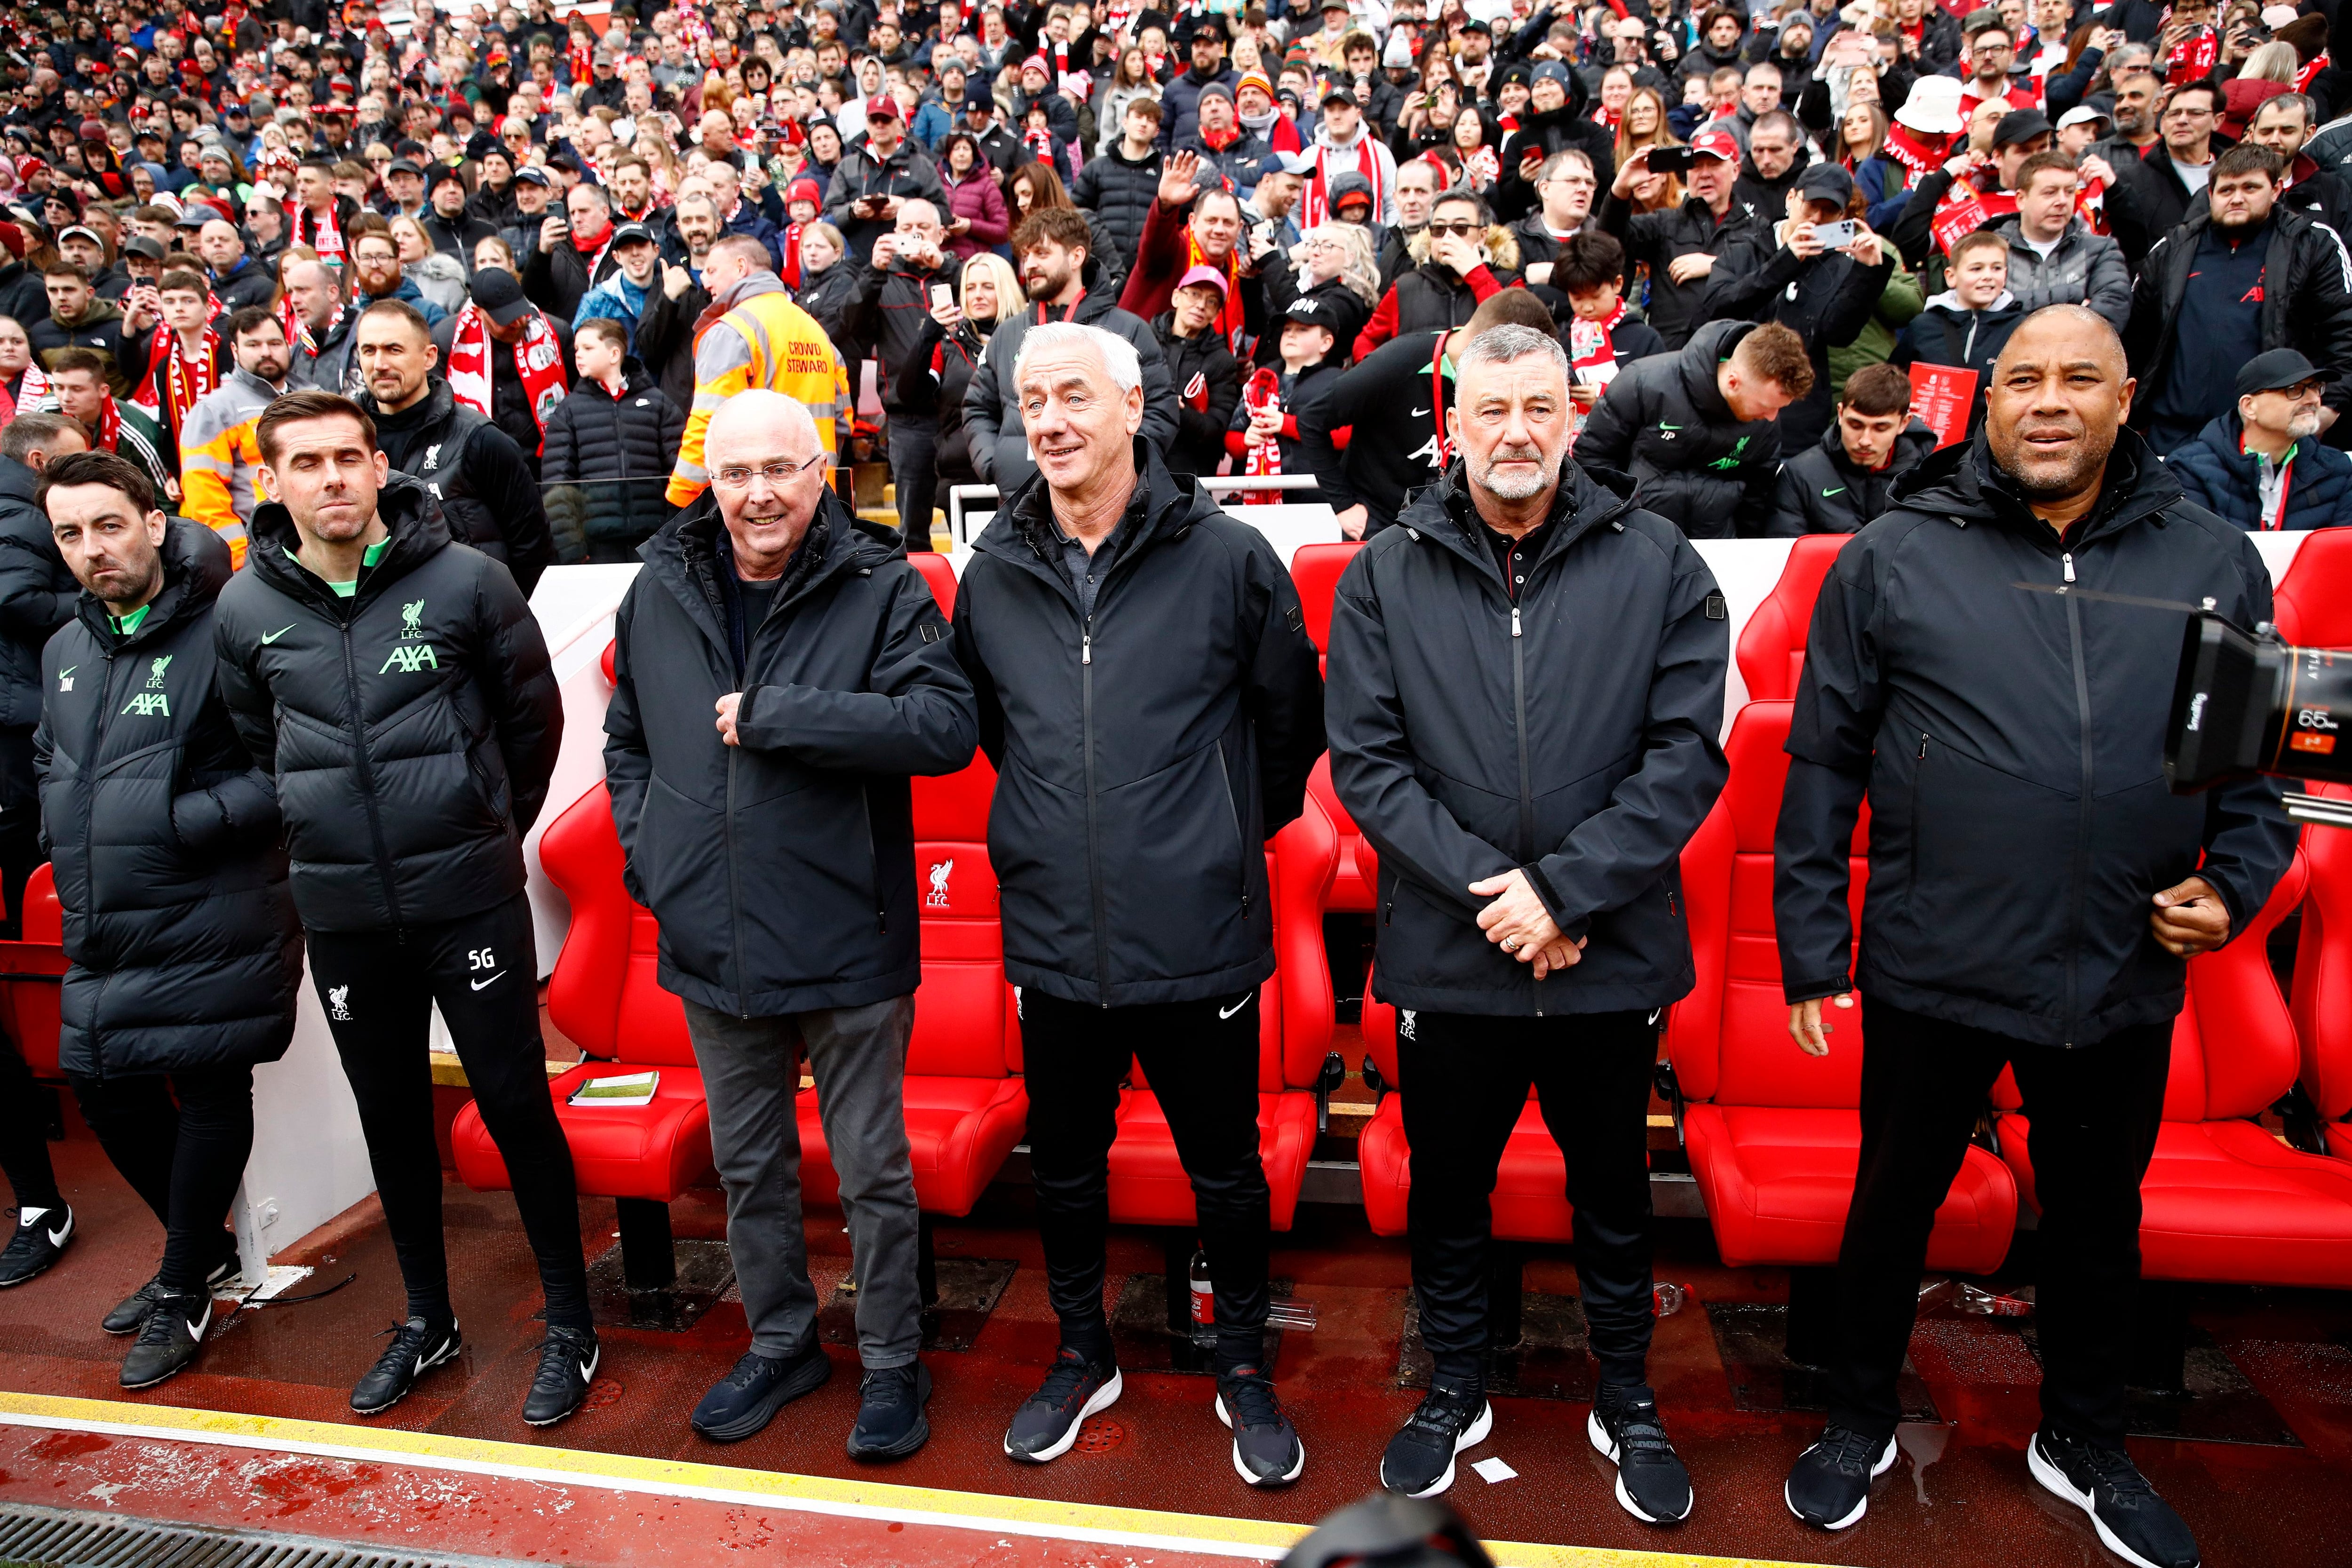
(751, 1073)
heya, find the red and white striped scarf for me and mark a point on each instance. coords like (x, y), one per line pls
(175, 378)
(1360, 160)
(31, 388)
(326, 234)
(1916, 151)
(538, 357)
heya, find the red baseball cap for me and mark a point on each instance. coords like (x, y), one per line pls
(1715, 144)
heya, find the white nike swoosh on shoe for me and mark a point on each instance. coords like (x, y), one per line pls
(58, 1237)
(1224, 1013)
(492, 980)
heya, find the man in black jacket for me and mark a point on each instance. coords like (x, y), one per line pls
(2009, 922)
(2242, 277)
(36, 597)
(770, 648)
(393, 684)
(1848, 478)
(1529, 933)
(2151, 198)
(1152, 702)
(498, 331)
(895, 301)
(470, 466)
(1683, 245)
(1120, 186)
(184, 956)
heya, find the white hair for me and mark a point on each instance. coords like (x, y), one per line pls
(1119, 356)
(1501, 345)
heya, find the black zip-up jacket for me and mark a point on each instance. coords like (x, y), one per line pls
(782, 869)
(36, 595)
(992, 411)
(412, 728)
(1466, 741)
(1118, 191)
(1200, 444)
(895, 306)
(165, 840)
(1947, 333)
(479, 476)
(1145, 754)
(2306, 304)
(1677, 310)
(608, 459)
(2011, 745)
(1394, 402)
(1822, 490)
(1827, 300)
(1665, 422)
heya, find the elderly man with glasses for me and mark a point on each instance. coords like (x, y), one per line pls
(770, 649)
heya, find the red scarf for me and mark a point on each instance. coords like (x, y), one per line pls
(1592, 356)
(1964, 210)
(792, 248)
(1921, 157)
(580, 60)
(1262, 392)
(30, 389)
(326, 234)
(1229, 317)
(1361, 161)
(2304, 78)
(109, 424)
(538, 361)
(174, 379)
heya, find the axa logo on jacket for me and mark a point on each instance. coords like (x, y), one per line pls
(411, 654)
(152, 699)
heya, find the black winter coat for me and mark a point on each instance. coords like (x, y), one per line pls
(2306, 305)
(36, 595)
(1144, 755)
(607, 466)
(1822, 490)
(1949, 333)
(1677, 310)
(250, 284)
(1466, 741)
(1202, 416)
(1664, 421)
(412, 728)
(165, 840)
(1119, 194)
(557, 280)
(2217, 474)
(782, 869)
(895, 307)
(1393, 400)
(1828, 300)
(475, 471)
(665, 339)
(2011, 745)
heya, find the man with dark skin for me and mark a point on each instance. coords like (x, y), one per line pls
(1931, 678)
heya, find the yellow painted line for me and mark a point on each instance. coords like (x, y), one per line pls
(1258, 1540)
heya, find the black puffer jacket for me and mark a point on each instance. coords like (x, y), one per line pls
(2011, 745)
(1143, 755)
(476, 472)
(782, 869)
(607, 464)
(1665, 422)
(1120, 192)
(37, 595)
(165, 840)
(416, 812)
(1465, 744)
(1822, 492)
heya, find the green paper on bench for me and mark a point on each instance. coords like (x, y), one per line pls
(625, 1089)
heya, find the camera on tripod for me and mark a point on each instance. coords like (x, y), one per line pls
(2246, 703)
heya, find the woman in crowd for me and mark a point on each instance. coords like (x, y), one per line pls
(1129, 81)
(973, 201)
(990, 292)
(439, 277)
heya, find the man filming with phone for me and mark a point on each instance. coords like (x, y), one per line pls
(895, 299)
(1682, 245)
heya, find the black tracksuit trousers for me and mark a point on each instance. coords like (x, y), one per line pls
(1464, 1080)
(1202, 1061)
(24, 1134)
(2094, 1112)
(181, 1140)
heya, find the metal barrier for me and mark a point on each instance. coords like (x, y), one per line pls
(1216, 484)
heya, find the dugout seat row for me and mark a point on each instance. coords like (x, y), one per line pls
(31, 972)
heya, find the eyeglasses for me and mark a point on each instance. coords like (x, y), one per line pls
(778, 474)
(1984, 51)
(1463, 229)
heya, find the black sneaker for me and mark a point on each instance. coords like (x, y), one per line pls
(1828, 1485)
(37, 1244)
(744, 1400)
(2135, 1524)
(1075, 1388)
(417, 1347)
(567, 1365)
(131, 1310)
(890, 1420)
(1420, 1458)
(169, 1341)
(1652, 1484)
(1267, 1449)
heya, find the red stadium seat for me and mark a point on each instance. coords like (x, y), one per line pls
(939, 576)
(30, 971)
(1316, 569)
(2314, 602)
(2224, 1200)
(1774, 1135)
(604, 997)
(2322, 1005)
(1148, 1185)
(1772, 643)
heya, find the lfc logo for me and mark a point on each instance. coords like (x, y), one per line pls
(409, 655)
(152, 699)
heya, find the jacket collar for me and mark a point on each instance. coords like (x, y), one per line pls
(1961, 485)
(685, 557)
(1445, 514)
(195, 569)
(417, 533)
(1164, 506)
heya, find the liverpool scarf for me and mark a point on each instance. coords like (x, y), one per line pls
(31, 388)
(176, 378)
(1592, 355)
(1920, 152)
(1262, 392)
(325, 236)
(538, 361)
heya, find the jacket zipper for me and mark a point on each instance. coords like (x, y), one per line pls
(2082, 810)
(735, 891)
(1519, 711)
(367, 775)
(1094, 834)
(873, 862)
(1233, 809)
(98, 745)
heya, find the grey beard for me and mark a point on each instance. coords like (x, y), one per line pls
(1515, 488)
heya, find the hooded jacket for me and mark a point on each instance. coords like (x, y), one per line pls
(906, 171)
(1120, 192)
(1947, 333)
(1466, 741)
(36, 596)
(411, 729)
(2084, 269)
(101, 327)
(2012, 746)
(1677, 310)
(608, 460)
(2217, 473)
(1827, 300)
(164, 840)
(1694, 462)
(1822, 490)
(476, 472)
(1541, 135)
(782, 869)
(1000, 442)
(1144, 753)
